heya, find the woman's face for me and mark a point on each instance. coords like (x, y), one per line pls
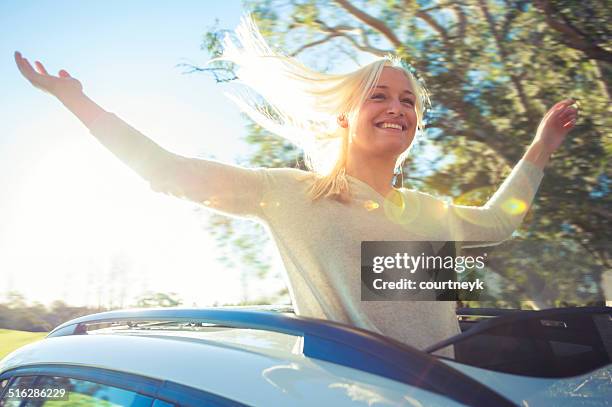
(387, 121)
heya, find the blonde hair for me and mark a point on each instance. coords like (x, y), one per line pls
(303, 105)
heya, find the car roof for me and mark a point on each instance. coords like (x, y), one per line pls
(251, 375)
(306, 345)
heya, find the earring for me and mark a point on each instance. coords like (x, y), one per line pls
(398, 178)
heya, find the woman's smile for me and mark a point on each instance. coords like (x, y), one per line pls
(392, 127)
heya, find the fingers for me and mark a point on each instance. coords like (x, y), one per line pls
(563, 113)
(26, 69)
(570, 124)
(569, 114)
(565, 110)
(40, 79)
(564, 103)
(24, 66)
(569, 121)
(556, 108)
(559, 106)
(40, 68)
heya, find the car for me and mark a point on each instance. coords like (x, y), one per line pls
(268, 356)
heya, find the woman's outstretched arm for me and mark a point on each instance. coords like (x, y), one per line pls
(504, 211)
(229, 189)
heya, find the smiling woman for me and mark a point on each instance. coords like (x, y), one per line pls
(386, 126)
(365, 121)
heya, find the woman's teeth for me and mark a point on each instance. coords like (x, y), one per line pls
(390, 126)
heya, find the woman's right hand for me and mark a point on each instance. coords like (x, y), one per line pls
(60, 86)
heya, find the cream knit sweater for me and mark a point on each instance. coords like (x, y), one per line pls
(320, 242)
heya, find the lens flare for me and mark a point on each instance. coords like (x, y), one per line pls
(514, 206)
(370, 205)
(401, 209)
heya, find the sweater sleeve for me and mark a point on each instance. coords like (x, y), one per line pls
(225, 188)
(501, 215)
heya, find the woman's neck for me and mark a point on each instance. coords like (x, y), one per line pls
(377, 173)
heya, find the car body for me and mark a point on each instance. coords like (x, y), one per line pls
(270, 357)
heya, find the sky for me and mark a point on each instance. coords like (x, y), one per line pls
(71, 213)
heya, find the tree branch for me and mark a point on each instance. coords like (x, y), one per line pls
(445, 5)
(343, 31)
(511, 15)
(231, 76)
(373, 22)
(572, 37)
(314, 44)
(433, 24)
(518, 85)
(462, 21)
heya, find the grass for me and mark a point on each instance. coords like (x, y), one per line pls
(11, 340)
(79, 400)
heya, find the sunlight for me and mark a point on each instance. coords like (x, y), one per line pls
(87, 229)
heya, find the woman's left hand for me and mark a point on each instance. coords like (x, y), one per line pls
(555, 125)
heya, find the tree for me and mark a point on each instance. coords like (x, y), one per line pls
(150, 300)
(584, 28)
(16, 314)
(493, 68)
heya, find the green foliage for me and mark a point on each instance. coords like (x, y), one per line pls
(153, 300)
(17, 315)
(591, 18)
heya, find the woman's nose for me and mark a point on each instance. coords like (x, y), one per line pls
(394, 107)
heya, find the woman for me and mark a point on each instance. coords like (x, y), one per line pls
(356, 130)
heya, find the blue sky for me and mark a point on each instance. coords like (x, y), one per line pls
(117, 49)
(69, 210)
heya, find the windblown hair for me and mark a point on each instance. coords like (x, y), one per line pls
(303, 105)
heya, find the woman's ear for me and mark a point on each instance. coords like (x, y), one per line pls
(342, 121)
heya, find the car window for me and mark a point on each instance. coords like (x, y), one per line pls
(550, 343)
(101, 387)
(80, 393)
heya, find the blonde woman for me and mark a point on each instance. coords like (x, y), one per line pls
(355, 130)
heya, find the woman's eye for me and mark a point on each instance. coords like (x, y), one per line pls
(380, 96)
